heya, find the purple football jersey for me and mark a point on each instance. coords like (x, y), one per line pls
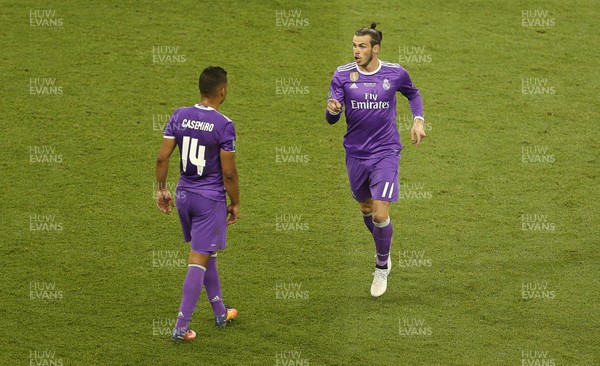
(369, 100)
(201, 132)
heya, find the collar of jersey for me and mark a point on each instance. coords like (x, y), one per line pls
(200, 106)
(372, 72)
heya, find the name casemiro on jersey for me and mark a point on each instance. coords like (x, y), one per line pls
(197, 125)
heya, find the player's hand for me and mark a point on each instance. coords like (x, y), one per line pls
(417, 132)
(164, 201)
(333, 106)
(232, 212)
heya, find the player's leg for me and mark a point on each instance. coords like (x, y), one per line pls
(382, 232)
(366, 208)
(190, 209)
(192, 287)
(358, 176)
(384, 189)
(213, 287)
(212, 284)
(217, 217)
(181, 332)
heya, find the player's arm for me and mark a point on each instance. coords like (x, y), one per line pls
(335, 100)
(230, 180)
(164, 201)
(408, 89)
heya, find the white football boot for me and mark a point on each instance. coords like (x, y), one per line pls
(379, 285)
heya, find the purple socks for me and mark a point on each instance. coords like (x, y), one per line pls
(382, 233)
(213, 287)
(192, 286)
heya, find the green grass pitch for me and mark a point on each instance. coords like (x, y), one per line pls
(496, 235)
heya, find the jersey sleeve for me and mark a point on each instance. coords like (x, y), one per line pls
(336, 89)
(169, 128)
(408, 89)
(227, 140)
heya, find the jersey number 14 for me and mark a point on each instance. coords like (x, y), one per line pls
(192, 151)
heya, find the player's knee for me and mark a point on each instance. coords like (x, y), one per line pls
(380, 216)
(366, 209)
(198, 258)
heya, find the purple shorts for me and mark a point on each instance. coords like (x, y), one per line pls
(374, 178)
(203, 221)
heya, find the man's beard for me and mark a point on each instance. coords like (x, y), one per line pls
(368, 61)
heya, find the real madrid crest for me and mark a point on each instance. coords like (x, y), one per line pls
(386, 84)
(354, 76)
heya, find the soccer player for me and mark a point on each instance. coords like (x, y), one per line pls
(367, 89)
(206, 141)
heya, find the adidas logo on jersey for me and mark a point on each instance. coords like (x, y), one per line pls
(353, 86)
